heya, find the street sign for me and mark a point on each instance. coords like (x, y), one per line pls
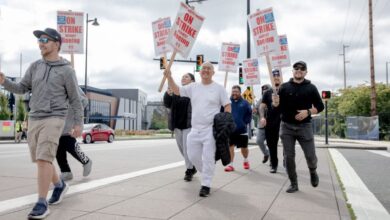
(251, 73)
(161, 29)
(228, 57)
(70, 25)
(185, 30)
(264, 32)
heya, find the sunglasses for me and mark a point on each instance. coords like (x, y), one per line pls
(302, 68)
(44, 40)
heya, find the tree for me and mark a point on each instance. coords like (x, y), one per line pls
(159, 120)
(5, 113)
(356, 102)
(20, 111)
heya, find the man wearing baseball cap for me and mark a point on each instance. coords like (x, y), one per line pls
(299, 99)
(270, 119)
(53, 86)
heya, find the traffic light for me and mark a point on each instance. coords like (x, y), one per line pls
(199, 62)
(240, 77)
(326, 94)
(163, 63)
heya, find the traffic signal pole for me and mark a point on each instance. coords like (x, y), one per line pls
(326, 122)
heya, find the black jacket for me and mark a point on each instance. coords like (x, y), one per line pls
(180, 114)
(223, 127)
(298, 96)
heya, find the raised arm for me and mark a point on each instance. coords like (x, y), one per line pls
(171, 83)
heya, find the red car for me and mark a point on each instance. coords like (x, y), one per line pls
(97, 132)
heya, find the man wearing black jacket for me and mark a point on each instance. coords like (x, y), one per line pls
(270, 119)
(298, 99)
(180, 121)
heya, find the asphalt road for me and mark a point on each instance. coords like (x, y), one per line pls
(374, 170)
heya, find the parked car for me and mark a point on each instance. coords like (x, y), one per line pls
(97, 132)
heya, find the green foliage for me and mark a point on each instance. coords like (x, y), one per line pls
(20, 111)
(159, 120)
(355, 101)
(5, 113)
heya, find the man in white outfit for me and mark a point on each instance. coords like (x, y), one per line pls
(207, 98)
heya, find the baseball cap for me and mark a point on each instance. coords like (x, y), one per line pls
(52, 33)
(301, 63)
(275, 72)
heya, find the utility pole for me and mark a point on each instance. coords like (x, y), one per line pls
(387, 73)
(20, 70)
(344, 62)
(248, 38)
(372, 69)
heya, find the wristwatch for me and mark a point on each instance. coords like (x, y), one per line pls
(308, 113)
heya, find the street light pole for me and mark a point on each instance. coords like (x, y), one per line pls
(387, 73)
(95, 23)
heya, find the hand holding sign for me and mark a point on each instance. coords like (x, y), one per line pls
(183, 34)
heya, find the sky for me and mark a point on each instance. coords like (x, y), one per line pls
(121, 51)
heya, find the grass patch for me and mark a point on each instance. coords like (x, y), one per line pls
(342, 187)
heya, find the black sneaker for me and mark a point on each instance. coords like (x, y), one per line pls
(292, 188)
(40, 211)
(273, 170)
(58, 193)
(204, 191)
(188, 175)
(265, 159)
(314, 178)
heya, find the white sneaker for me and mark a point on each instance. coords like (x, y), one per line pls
(66, 176)
(87, 168)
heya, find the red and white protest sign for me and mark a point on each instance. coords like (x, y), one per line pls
(70, 25)
(281, 58)
(229, 57)
(185, 30)
(251, 72)
(161, 29)
(264, 32)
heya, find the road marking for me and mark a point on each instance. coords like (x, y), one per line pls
(380, 152)
(364, 203)
(30, 199)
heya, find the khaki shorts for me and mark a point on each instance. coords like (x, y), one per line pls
(43, 137)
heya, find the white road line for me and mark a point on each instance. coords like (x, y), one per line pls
(30, 199)
(364, 203)
(380, 152)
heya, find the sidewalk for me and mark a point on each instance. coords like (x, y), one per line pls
(243, 194)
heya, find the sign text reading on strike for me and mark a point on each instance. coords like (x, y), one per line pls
(70, 29)
(162, 33)
(263, 28)
(229, 55)
(186, 27)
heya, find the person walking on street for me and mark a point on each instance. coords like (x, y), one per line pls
(271, 120)
(180, 121)
(298, 99)
(206, 97)
(68, 143)
(242, 115)
(53, 85)
(260, 136)
(18, 131)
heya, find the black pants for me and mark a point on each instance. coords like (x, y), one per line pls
(69, 144)
(272, 138)
(303, 133)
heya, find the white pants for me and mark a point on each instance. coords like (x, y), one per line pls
(181, 140)
(201, 152)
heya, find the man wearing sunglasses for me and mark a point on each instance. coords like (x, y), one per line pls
(53, 85)
(298, 100)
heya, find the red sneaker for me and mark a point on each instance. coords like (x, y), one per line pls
(246, 165)
(229, 168)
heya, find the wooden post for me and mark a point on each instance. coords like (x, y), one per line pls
(226, 76)
(168, 68)
(72, 60)
(270, 72)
